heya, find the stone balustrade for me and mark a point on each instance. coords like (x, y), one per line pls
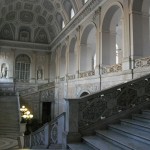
(86, 74)
(50, 133)
(111, 69)
(142, 62)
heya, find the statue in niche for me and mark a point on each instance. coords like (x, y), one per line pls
(39, 73)
(4, 71)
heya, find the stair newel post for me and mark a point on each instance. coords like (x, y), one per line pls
(46, 134)
(71, 133)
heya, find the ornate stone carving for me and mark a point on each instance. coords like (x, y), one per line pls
(47, 95)
(54, 133)
(143, 62)
(111, 69)
(86, 74)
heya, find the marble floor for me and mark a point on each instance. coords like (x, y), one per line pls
(7, 143)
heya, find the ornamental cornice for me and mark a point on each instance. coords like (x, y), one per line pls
(23, 45)
(84, 13)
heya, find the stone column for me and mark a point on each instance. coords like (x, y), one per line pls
(98, 40)
(77, 51)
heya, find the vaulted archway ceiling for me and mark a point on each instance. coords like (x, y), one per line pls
(37, 21)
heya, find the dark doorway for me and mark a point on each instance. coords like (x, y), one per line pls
(46, 112)
(84, 94)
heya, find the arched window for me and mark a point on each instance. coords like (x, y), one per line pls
(85, 1)
(72, 13)
(22, 68)
(63, 24)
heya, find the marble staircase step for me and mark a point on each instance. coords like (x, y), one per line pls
(79, 146)
(121, 140)
(98, 143)
(131, 132)
(136, 124)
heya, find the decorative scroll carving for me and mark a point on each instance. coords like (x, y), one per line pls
(54, 133)
(41, 36)
(111, 69)
(113, 101)
(71, 77)
(87, 74)
(143, 62)
(47, 95)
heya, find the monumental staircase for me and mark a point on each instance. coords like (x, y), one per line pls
(9, 122)
(117, 118)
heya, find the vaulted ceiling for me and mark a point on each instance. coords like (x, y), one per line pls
(37, 21)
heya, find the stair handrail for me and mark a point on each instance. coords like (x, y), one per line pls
(88, 110)
(44, 133)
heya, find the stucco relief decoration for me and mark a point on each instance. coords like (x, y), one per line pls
(4, 70)
(9, 1)
(6, 33)
(28, 6)
(11, 16)
(26, 16)
(41, 20)
(48, 5)
(24, 35)
(41, 37)
(47, 95)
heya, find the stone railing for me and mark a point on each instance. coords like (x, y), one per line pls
(88, 111)
(142, 62)
(86, 74)
(111, 69)
(50, 133)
